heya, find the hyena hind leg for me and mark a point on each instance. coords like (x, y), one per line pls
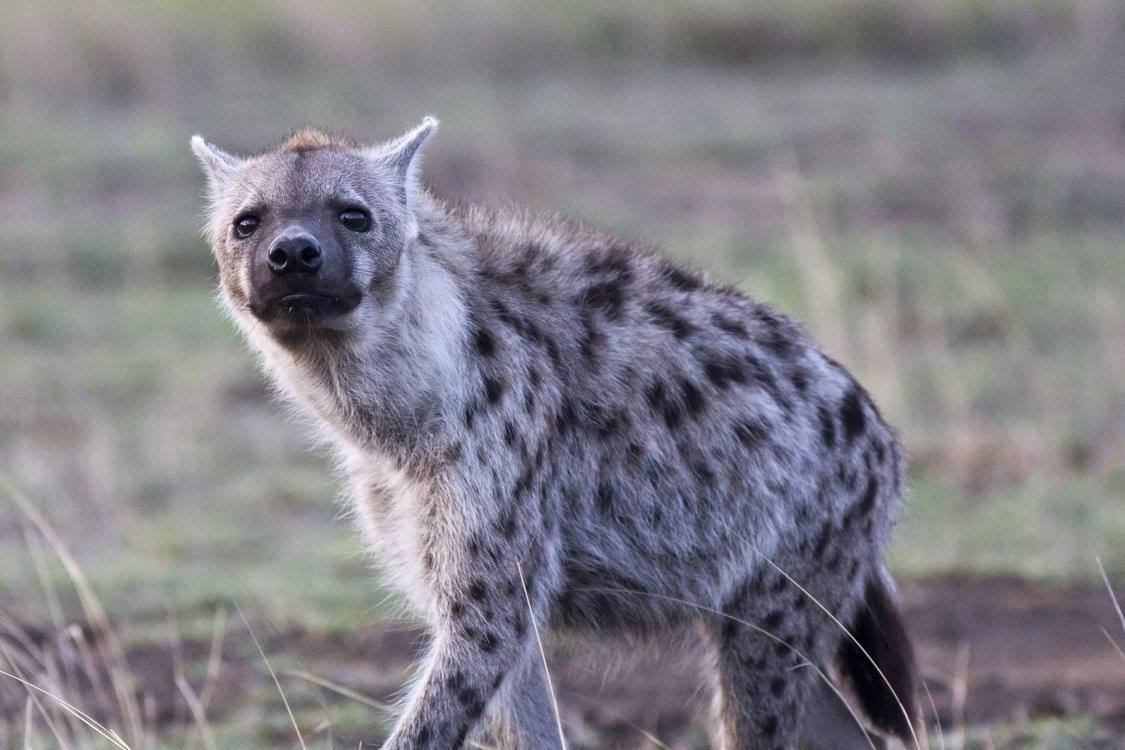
(522, 715)
(761, 685)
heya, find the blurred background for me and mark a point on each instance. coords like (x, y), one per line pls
(937, 188)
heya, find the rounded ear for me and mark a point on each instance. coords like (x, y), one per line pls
(401, 154)
(217, 164)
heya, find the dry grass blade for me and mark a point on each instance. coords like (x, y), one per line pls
(818, 270)
(1112, 594)
(269, 667)
(543, 657)
(933, 709)
(960, 695)
(34, 699)
(50, 594)
(341, 690)
(198, 714)
(1112, 642)
(92, 607)
(28, 724)
(214, 655)
(72, 710)
(848, 633)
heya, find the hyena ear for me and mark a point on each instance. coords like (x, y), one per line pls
(217, 164)
(401, 155)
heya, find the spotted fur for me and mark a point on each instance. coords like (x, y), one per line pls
(523, 394)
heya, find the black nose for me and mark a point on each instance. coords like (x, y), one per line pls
(294, 254)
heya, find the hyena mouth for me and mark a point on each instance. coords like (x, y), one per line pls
(307, 308)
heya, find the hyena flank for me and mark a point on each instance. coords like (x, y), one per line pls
(545, 426)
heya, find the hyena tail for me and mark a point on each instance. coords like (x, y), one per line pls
(877, 625)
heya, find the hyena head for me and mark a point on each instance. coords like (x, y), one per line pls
(310, 236)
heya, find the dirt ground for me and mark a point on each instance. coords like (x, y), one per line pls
(994, 652)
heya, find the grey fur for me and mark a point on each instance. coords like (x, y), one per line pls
(514, 390)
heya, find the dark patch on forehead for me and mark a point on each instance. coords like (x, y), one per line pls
(311, 139)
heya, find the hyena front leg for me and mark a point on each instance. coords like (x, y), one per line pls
(483, 640)
(522, 715)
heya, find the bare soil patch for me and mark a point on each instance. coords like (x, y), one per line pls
(1014, 650)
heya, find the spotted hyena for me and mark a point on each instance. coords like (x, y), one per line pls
(543, 425)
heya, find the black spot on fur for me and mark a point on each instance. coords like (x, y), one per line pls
(666, 318)
(604, 497)
(822, 540)
(800, 380)
(590, 339)
(665, 403)
(680, 279)
(489, 643)
(702, 473)
(733, 327)
(723, 370)
(566, 416)
(615, 262)
(608, 296)
(868, 502)
(424, 735)
(493, 389)
(750, 433)
(484, 342)
(775, 338)
(553, 352)
(509, 433)
(477, 590)
(851, 416)
(764, 376)
(469, 697)
(827, 427)
(693, 398)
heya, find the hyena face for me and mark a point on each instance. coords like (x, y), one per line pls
(309, 237)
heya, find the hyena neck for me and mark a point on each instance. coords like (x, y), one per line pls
(392, 388)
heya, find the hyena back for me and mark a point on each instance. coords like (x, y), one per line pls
(543, 425)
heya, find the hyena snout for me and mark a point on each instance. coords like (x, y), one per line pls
(300, 279)
(294, 253)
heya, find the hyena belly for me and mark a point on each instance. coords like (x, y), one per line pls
(664, 524)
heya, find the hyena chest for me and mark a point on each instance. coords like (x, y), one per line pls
(393, 518)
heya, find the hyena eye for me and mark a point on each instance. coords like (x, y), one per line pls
(245, 225)
(355, 219)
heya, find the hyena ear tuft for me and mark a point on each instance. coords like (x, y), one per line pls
(217, 164)
(401, 154)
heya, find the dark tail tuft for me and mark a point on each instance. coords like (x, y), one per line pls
(879, 628)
